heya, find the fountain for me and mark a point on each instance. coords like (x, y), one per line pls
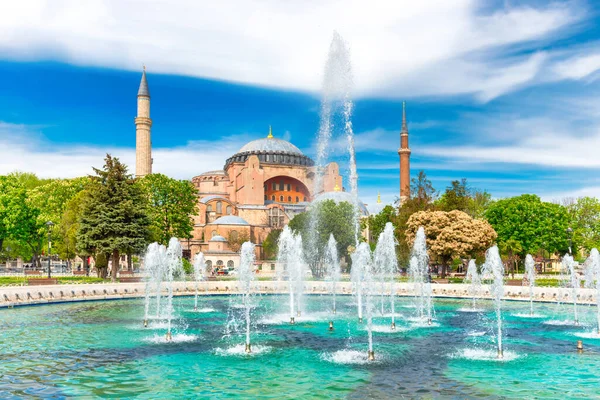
(530, 274)
(386, 263)
(568, 264)
(333, 273)
(474, 280)
(363, 262)
(592, 280)
(246, 278)
(152, 276)
(290, 256)
(419, 275)
(357, 276)
(199, 269)
(494, 268)
(174, 266)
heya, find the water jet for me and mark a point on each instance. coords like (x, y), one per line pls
(330, 325)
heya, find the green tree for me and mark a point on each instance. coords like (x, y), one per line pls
(512, 250)
(270, 244)
(421, 189)
(377, 222)
(530, 222)
(331, 218)
(172, 204)
(460, 196)
(114, 217)
(584, 215)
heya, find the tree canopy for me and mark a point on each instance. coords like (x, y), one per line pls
(171, 205)
(451, 234)
(530, 222)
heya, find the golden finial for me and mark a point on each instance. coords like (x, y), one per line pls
(270, 136)
(336, 188)
(378, 198)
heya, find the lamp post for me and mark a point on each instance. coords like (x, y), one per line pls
(49, 225)
(570, 233)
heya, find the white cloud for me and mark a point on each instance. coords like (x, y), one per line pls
(64, 161)
(398, 47)
(578, 67)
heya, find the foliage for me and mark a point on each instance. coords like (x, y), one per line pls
(530, 222)
(421, 189)
(188, 268)
(377, 222)
(237, 239)
(113, 217)
(331, 218)
(270, 244)
(451, 234)
(511, 249)
(460, 196)
(584, 215)
(171, 205)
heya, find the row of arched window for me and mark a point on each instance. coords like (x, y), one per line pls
(219, 208)
(219, 264)
(282, 198)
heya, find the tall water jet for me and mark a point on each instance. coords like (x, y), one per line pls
(336, 105)
(592, 280)
(291, 258)
(530, 274)
(152, 276)
(418, 269)
(362, 261)
(199, 269)
(473, 278)
(246, 278)
(568, 265)
(494, 268)
(174, 269)
(332, 268)
(358, 277)
(386, 263)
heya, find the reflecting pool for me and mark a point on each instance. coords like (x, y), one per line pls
(101, 349)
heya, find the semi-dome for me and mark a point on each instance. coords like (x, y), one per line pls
(270, 150)
(338, 197)
(217, 238)
(230, 220)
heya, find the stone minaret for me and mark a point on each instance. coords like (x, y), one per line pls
(404, 153)
(143, 123)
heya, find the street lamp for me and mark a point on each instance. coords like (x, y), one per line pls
(570, 233)
(49, 225)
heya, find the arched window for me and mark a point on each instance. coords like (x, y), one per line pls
(289, 199)
(281, 198)
(276, 217)
(213, 234)
(229, 210)
(305, 198)
(273, 197)
(208, 264)
(219, 207)
(209, 208)
(297, 199)
(230, 264)
(266, 197)
(219, 263)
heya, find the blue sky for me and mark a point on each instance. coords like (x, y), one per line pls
(501, 93)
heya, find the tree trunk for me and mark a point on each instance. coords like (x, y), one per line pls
(445, 260)
(129, 262)
(115, 265)
(85, 265)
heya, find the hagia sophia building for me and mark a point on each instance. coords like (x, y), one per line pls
(260, 188)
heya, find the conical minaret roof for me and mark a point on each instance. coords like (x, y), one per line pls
(404, 126)
(144, 91)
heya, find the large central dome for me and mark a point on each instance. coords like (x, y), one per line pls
(270, 144)
(271, 150)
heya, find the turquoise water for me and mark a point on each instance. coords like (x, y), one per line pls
(101, 350)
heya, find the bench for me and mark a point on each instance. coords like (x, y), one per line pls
(31, 272)
(514, 282)
(79, 272)
(129, 279)
(125, 273)
(42, 281)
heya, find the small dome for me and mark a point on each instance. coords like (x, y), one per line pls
(217, 238)
(339, 197)
(230, 220)
(218, 172)
(270, 145)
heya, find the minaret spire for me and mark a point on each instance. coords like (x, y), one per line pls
(143, 124)
(404, 153)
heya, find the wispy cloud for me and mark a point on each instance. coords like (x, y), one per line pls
(422, 48)
(29, 152)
